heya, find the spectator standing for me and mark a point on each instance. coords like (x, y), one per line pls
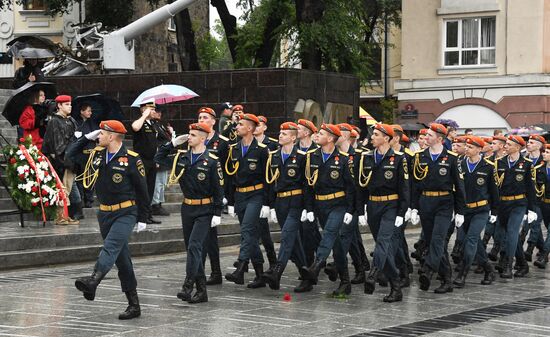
(33, 118)
(164, 135)
(85, 125)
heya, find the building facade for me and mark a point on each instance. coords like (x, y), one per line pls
(483, 63)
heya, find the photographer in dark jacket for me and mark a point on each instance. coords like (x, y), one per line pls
(31, 71)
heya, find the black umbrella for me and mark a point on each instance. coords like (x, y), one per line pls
(103, 107)
(22, 50)
(413, 126)
(35, 42)
(20, 98)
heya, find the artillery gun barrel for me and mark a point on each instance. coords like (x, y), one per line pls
(152, 19)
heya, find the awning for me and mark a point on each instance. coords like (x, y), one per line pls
(368, 118)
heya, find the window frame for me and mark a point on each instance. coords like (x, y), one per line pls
(172, 24)
(25, 9)
(461, 49)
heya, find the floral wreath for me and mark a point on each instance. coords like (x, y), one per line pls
(32, 182)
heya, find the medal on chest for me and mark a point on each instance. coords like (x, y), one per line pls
(123, 161)
(336, 160)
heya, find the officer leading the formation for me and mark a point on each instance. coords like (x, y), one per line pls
(119, 178)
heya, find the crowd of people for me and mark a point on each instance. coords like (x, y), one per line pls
(308, 179)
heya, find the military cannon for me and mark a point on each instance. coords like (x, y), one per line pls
(109, 52)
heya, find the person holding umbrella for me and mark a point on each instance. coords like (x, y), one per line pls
(31, 71)
(33, 119)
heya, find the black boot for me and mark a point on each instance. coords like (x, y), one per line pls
(237, 276)
(200, 295)
(446, 285)
(501, 264)
(404, 278)
(88, 284)
(455, 254)
(236, 264)
(529, 252)
(312, 272)
(395, 292)
(345, 285)
(186, 289)
(460, 280)
(486, 238)
(216, 275)
(133, 310)
(153, 221)
(542, 260)
(523, 267)
(305, 284)
(359, 277)
(77, 212)
(257, 282)
(489, 276)
(507, 271)
(493, 254)
(271, 258)
(331, 271)
(273, 276)
(366, 264)
(425, 278)
(370, 281)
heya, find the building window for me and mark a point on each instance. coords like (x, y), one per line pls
(469, 42)
(172, 24)
(34, 5)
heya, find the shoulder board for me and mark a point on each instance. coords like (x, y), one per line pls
(100, 148)
(527, 159)
(489, 162)
(452, 153)
(132, 153)
(409, 152)
(366, 152)
(262, 145)
(223, 137)
(300, 152)
(213, 156)
(399, 153)
(343, 153)
(358, 150)
(273, 139)
(419, 151)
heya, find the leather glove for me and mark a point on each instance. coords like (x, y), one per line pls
(303, 217)
(492, 218)
(231, 211)
(92, 135)
(459, 220)
(179, 140)
(408, 215)
(264, 212)
(415, 218)
(399, 221)
(347, 218)
(140, 226)
(224, 201)
(273, 215)
(216, 221)
(363, 219)
(310, 216)
(531, 216)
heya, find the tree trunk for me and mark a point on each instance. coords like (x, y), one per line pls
(308, 12)
(229, 23)
(264, 54)
(185, 35)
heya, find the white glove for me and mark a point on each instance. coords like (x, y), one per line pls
(492, 218)
(408, 214)
(216, 221)
(347, 218)
(453, 217)
(399, 221)
(304, 216)
(92, 135)
(363, 220)
(415, 218)
(273, 215)
(531, 216)
(140, 226)
(310, 216)
(179, 140)
(459, 220)
(231, 211)
(264, 213)
(224, 201)
(77, 134)
(524, 217)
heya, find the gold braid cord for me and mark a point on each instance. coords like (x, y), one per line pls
(174, 178)
(230, 159)
(419, 172)
(269, 171)
(498, 179)
(90, 174)
(363, 180)
(311, 178)
(539, 191)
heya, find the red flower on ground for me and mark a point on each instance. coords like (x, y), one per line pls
(287, 297)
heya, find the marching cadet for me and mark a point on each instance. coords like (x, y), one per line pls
(328, 174)
(438, 190)
(217, 145)
(310, 229)
(535, 145)
(383, 186)
(122, 192)
(201, 179)
(481, 207)
(265, 234)
(248, 199)
(354, 136)
(487, 151)
(542, 259)
(285, 174)
(459, 147)
(517, 197)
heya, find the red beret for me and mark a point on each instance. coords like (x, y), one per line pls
(386, 129)
(517, 139)
(200, 127)
(332, 129)
(238, 107)
(460, 139)
(405, 139)
(474, 140)
(262, 119)
(113, 126)
(538, 138)
(423, 132)
(251, 117)
(289, 126)
(63, 99)
(487, 139)
(308, 124)
(438, 128)
(397, 127)
(501, 138)
(547, 146)
(345, 127)
(207, 110)
(354, 134)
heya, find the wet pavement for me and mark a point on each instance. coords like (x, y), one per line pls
(44, 302)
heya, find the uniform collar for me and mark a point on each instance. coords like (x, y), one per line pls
(252, 146)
